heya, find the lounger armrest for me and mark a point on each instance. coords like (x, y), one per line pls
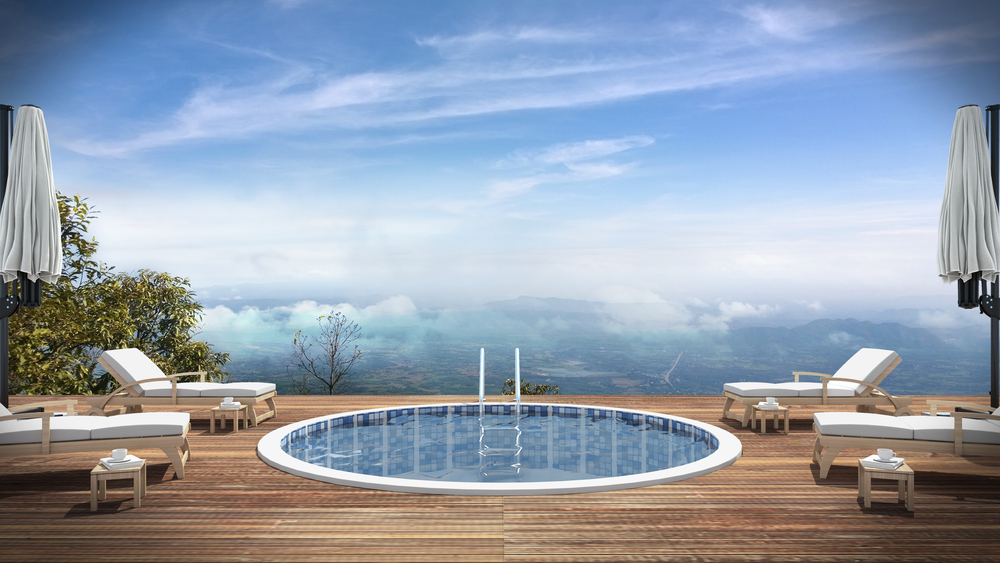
(798, 373)
(70, 404)
(27, 415)
(977, 415)
(958, 416)
(897, 402)
(46, 425)
(201, 375)
(934, 404)
(172, 379)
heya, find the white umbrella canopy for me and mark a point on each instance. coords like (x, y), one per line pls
(29, 218)
(969, 229)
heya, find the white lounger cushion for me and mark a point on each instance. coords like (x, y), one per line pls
(801, 389)
(163, 389)
(866, 365)
(932, 428)
(245, 389)
(248, 389)
(141, 425)
(75, 428)
(133, 365)
(942, 429)
(62, 429)
(862, 424)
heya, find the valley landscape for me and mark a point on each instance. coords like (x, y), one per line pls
(577, 346)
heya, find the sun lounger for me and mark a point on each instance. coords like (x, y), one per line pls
(962, 433)
(855, 383)
(144, 383)
(44, 433)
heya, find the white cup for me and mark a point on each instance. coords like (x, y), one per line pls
(770, 400)
(228, 401)
(885, 454)
(119, 454)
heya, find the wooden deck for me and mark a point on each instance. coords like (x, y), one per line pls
(768, 506)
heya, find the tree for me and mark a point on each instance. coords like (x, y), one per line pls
(331, 365)
(528, 389)
(54, 348)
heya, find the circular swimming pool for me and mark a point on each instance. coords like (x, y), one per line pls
(544, 449)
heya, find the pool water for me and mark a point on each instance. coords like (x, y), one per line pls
(541, 444)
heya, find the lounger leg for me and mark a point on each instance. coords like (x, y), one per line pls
(725, 407)
(271, 413)
(817, 450)
(178, 456)
(747, 415)
(826, 460)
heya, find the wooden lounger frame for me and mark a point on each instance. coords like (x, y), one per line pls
(177, 447)
(867, 401)
(132, 399)
(834, 444)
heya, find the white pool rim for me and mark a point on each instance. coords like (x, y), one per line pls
(269, 450)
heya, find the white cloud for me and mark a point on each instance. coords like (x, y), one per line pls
(812, 305)
(736, 309)
(795, 22)
(564, 153)
(840, 338)
(625, 294)
(464, 45)
(584, 67)
(574, 162)
(398, 305)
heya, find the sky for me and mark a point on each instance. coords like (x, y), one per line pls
(742, 158)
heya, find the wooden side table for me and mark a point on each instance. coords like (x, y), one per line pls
(100, 475)
(244, 409)
(903, 474)
(780, 411)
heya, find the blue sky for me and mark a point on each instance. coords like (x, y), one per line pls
(747, 157)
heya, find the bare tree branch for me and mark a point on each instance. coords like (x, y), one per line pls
(331, 364)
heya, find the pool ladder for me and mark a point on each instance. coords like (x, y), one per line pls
(500, 449)
(500, 445)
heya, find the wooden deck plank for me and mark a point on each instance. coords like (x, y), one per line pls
(769, 506)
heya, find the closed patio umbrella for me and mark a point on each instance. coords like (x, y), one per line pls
(969, 228)
(29, 217)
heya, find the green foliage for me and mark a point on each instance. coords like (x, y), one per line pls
(529, 389)
(54, 348)
(331, 365)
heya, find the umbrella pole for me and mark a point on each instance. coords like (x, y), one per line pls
(993, 131)
(6, 120)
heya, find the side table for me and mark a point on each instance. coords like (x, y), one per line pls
(780, 411)
(100, 475)
(903, 474)
(244, 409)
